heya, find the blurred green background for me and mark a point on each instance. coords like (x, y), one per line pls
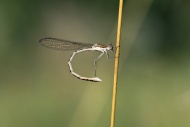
(37, 89)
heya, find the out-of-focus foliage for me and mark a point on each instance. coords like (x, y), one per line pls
(37, 90)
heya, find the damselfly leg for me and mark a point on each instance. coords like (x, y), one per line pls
(95, 62)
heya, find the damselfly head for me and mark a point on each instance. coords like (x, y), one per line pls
(110, 46)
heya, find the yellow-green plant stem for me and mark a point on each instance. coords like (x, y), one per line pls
(116, 64)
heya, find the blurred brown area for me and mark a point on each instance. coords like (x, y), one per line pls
(37, 89)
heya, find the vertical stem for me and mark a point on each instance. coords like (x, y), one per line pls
(116, 64)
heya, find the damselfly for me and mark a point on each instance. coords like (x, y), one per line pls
(65, 45)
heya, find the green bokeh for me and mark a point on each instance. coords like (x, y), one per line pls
(37, 90)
